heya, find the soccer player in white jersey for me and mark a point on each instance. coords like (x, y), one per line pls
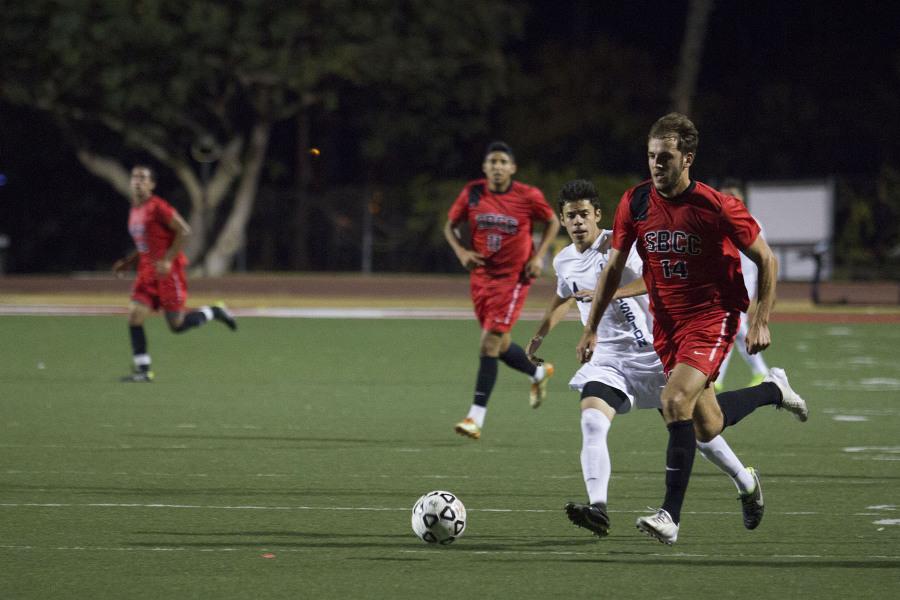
(624, 371)
(755, 361)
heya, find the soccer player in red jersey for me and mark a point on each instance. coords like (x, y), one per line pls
(502, 260)
(159, 233)
(688, 236)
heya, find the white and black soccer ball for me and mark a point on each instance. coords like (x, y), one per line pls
(439, 517)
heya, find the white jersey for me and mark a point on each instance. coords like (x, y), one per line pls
(623, 356)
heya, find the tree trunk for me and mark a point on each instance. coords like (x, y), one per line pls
(233, 235)
(691, 55)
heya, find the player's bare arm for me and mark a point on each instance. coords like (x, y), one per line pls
(123, 264)
(182, 230)
(632, 289)
(554, 314)
(535, 265)
(758, 336)
(469, 259)
(607, 284)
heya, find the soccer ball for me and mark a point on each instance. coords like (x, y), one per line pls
(439, 517)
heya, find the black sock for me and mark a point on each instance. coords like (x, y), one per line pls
(679, 462)
(516, 358)
(487, 376)
(139, 345)
(138, 339)
(738, 404)
(192, 319)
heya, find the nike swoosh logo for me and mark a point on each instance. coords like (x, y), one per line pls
(700, 353)
(671, 469)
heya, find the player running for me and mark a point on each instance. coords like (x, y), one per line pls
(688, 236)
(159, 233)
(624, 370)
(503, 262)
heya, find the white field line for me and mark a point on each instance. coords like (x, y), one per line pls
(255, 507)
(435, 552)
(54, 310)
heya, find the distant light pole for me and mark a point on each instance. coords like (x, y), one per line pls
(205, 150)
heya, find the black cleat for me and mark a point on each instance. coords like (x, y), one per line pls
(221, 313)
(752, 504)
(589, 516)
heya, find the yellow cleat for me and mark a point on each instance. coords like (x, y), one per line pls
(539, 390)
(468, 428)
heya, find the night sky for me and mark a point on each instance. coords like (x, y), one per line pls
(837, 66)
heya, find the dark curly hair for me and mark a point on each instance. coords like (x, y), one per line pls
(578, 189)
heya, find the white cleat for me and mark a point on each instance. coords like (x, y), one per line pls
(791, 400)
(659, 526)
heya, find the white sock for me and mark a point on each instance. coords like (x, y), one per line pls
(595, 464)
(538, 374)
(476, 413)
(207, 312)
(718, 452)
(141, 360)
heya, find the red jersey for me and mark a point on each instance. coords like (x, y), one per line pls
(500, 223)
(689, 245)
(148, 225)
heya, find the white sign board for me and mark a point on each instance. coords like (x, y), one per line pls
(796, 216)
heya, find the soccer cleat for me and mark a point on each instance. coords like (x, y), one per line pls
(757, 379)
(221, 313)
(752, 502)
(539, 390)
(138, 377)
(589, 516)
(790, 400)
(468, 428)
(659, 526)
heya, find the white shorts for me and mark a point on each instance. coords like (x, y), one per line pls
(640, 380)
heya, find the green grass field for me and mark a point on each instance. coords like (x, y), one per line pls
(282, 462)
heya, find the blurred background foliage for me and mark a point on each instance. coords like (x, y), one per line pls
(399, 100)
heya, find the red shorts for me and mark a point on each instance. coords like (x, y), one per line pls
(701, 342)
(168, 293)
(498, 302)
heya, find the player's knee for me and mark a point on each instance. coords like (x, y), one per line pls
(677, 405)
(175, 323)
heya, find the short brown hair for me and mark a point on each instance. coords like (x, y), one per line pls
(678, 126)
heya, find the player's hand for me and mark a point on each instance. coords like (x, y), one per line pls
(584, 295)
(534, 267)
(758, 338)
(532, 347)
(163, 267)
(585, 348)
(119, 267)
(470, 259)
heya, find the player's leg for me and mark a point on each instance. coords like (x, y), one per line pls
(504, 306)
(755, 361)
(599, 404)
(679, 398)
(514, 356)
(489, 350)
(141, 372)
(173, 294)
